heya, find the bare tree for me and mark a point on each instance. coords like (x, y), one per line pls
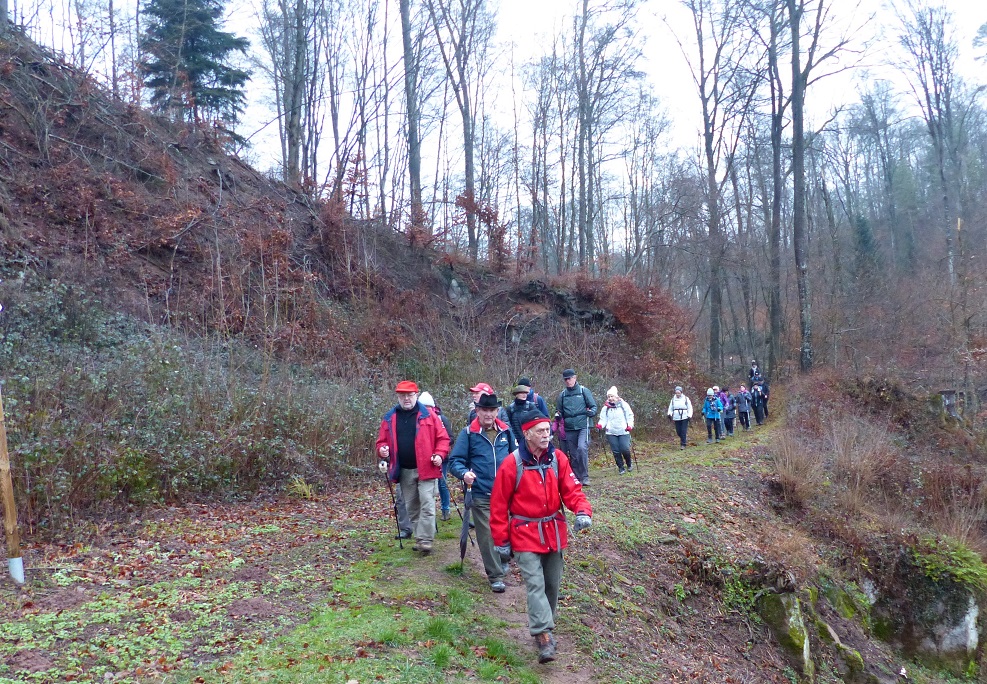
(464, 30)
(721, 73)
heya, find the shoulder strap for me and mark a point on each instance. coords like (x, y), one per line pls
(541, 467)
(582, 393)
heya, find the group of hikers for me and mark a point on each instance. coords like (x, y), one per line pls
(518, 480)
(722, 408)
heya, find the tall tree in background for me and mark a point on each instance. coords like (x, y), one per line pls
(927, 37)
(186, 61)
(464, 30)
(722, 78)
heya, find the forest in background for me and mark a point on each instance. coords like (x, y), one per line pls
(853, 238)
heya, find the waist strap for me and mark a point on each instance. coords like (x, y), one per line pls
(541, 529)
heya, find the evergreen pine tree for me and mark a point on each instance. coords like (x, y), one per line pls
(185, 61)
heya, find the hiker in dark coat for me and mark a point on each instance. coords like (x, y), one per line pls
(521, 407)
(535, 398)
(412, 443)
(479, 450)
(744, 400)
(729, 410)
(576, 406)
(526, 518)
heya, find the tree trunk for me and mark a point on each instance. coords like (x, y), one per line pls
(414, 118)
(799, 236)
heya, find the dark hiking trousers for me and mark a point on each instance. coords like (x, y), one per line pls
(711, 425)
(620, 445)
(682, 430)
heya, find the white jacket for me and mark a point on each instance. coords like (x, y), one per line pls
(680, 409)
(617, 420)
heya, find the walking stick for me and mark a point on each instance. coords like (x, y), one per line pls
(394, 504)
(14, 560)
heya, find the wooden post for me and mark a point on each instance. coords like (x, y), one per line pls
(14, 560)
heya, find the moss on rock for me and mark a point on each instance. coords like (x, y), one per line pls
(783, 615)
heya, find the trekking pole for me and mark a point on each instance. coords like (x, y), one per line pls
(14, 560)
(394, 503)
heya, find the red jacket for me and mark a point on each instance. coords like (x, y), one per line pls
(430, 438)
(530, 516)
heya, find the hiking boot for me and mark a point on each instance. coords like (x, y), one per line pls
(682, 447)
(405, 534)
(709, 441)
(446, 516)
(621, 471)
(425, 546)
(546, 647)
(498, 587)
(630, 468)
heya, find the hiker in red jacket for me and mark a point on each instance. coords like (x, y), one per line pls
(526, 517)
(411, 444)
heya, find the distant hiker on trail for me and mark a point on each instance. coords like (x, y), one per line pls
(680, 412)
(767, 396)
(477, 391)
(526, 518)
(479, 450)
(412, 443)
(729, 410)
(520, 408)
(744, 400)
(754, 371)
(617, 421)
(576, 406)
(758, 401)
(723, 404)
(712, 410)
(535, 398)
(426, 400)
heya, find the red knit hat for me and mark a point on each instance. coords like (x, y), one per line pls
(533, 422)
(406, 386)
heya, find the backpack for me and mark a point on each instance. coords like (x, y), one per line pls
(582, 393)
(554, 465)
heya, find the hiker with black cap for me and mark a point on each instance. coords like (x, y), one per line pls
(576, 406)
(477, 391)
(680, 412)
(520, 409)
(479, 450)
(535, 398)
(527, 519)
(412, 443)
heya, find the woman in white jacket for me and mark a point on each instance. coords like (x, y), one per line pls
(680, 411)
(617, 419)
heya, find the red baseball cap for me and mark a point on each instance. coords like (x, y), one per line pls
(406, 386)
(482, 387)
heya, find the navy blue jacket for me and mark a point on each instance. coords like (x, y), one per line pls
(473, 451)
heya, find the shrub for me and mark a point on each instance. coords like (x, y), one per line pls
(799, 469)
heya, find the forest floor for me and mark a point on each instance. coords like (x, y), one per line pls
(318, 590)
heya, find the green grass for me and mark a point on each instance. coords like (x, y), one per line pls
(383, 623)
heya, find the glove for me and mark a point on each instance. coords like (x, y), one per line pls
(583, 522)
(630, 427)
(599, 426)
(382, 466)
(504, 552)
